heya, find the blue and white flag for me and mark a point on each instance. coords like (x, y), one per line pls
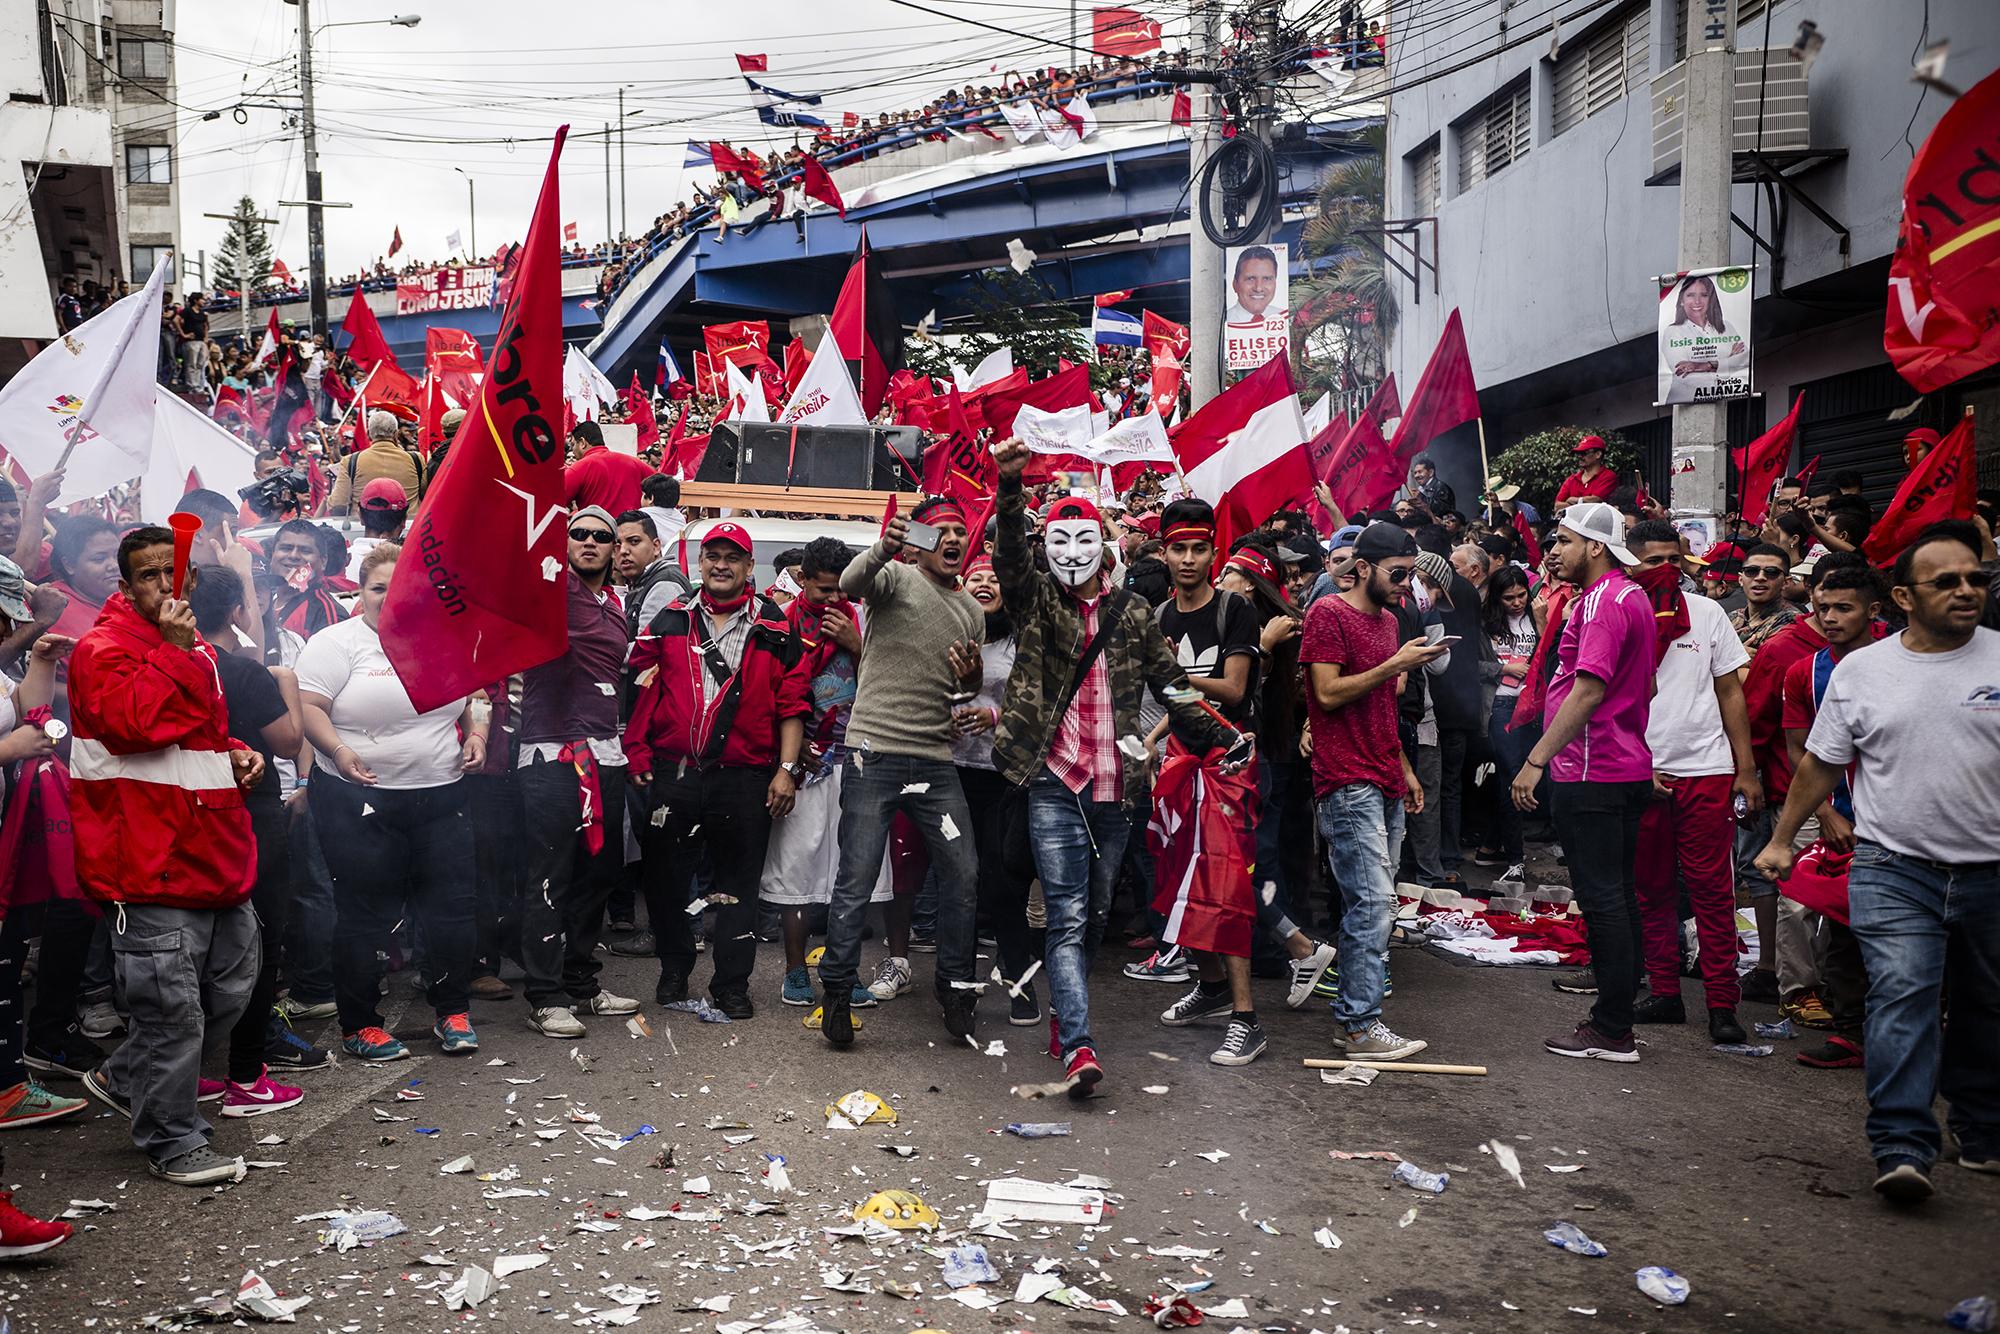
(697, 156)
(669, 370)
(779, 94)
(1114, 328)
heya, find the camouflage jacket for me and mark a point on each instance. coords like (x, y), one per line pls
(1049, 636)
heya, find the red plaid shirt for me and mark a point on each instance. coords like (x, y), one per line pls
(1085, 752)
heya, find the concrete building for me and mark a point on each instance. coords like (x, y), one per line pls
(88, 169)
(1537, 142)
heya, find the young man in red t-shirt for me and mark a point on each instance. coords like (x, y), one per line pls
(1845, 604)
(1591, 481)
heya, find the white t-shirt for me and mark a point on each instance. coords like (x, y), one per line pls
(1684, 730)
(1925, 730)
(372, 712)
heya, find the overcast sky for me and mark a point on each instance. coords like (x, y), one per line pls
(480, 87)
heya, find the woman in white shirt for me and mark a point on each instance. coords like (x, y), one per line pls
(392, 820)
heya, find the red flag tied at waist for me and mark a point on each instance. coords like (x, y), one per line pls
(1943, 485)
(480, 592)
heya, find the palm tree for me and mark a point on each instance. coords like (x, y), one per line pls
(1345, 313)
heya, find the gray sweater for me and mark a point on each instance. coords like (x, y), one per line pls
(902, 701)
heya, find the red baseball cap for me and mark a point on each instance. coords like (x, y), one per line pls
(1588, 443)
(733, 533)
(384, 493)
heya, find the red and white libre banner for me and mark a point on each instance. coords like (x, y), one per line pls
(444, 289)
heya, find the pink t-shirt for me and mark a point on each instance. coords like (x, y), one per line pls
(1608, 634)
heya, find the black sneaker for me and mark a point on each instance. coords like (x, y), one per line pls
(958, 1012)
(1589, 1044)
(1024, 1011)
(285, 1048)
(1723, 1028)
(1761, 985)
(735, 1004)
(100, 1088)
(70, 1055)
(1199, 1003)
(637, 945)
(622, 927)
(1662, 1010)
(1903, 1181)
(672, 990)
(836, 1023)
(1582, 982)
(1242, 1043)
(923, 944)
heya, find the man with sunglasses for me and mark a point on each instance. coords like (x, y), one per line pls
(1764, 611)
(1913, 722)
(572, 782)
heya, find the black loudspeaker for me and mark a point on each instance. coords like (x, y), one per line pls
(899, 459)
(844, 457)
(719, 463)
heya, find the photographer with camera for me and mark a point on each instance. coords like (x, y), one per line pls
(278, 496)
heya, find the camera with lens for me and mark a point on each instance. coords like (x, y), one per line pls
(280, 492)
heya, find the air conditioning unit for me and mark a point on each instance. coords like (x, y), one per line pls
(1782, 93)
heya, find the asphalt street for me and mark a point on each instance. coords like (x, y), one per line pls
(1747, 1177)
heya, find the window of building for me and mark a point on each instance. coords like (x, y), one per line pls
(1747, 37)
(1493, 136)
(1601, 68)
(1424, 178)
(148, 164)
(144, 259)
(138, 59)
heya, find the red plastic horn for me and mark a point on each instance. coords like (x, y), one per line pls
(185, 526)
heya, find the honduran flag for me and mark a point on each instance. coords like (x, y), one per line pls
(697, 156)
(668, 371)
(1115, 328)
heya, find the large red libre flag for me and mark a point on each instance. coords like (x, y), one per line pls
(481, 590)
(365, 342)
(1944, 279)
(1762, 462)
(958, 465)
(1944, 485)
(744, 343)
(1122, 32)
(1364, 473)
(1444, 397)
(453, 356)
(725, 158)
(865, 328)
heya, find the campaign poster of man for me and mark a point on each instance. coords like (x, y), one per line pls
(1257, 322)
(1705, 336)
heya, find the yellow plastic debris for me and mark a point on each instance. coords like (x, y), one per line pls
(896, 1208)
(864, 1108)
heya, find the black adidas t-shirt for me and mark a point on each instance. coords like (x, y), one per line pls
(1203, 640)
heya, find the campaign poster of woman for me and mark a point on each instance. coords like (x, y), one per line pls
(1705, 336)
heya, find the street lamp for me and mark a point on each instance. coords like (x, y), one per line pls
(472, 210)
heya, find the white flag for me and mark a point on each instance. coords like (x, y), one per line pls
(1136, 439)
(996, 365)
(1318, 415)
(187, 440)
(584, 385)
(95, 383)
(452, 241)
(825, 396)
(746, 397)
(1064, 431)
(1022, 119)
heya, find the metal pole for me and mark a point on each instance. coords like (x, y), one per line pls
(621, 162)
(1205, 304)
(1701, 430)
(472, 213)
(607, 182)
(315, 217)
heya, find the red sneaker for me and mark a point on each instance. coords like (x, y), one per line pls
(1055, 1039)
(21, 1235)
(1083, 1072)
(208, 1090)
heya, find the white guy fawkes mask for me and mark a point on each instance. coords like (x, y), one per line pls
(1075, 549)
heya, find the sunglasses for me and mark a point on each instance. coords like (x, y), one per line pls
(1763, 571)
(590, 535)
(1946, 583)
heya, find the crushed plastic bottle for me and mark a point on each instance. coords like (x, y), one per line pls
(1570, 1237)
(1782, 1029)
(1974, 1314)
(1662, 1285)
(1431, 1183)
(1038, 1129)
(1742, 1049)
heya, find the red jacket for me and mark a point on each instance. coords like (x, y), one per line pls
(1764, 699)
(739, 726)
(156, 810)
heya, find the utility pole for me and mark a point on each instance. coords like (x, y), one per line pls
(1701, 430)
(1205, 304)
(1264, 116)
(315, 215)
(621, 162)
(607, 182)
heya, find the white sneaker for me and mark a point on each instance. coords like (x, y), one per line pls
(892, 979)
(1380, 1043)
(100, 1019)
(296, 1010)
(556, 1021)
(605, 1002)
(1306, 974)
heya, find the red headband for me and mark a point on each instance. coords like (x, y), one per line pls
(980, 562)
(1252, 561)
(931, 511)
(1189, 532)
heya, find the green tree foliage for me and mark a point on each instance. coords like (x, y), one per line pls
(1343, 315)
(244, 261)
(1539, 462)
(1006, 309)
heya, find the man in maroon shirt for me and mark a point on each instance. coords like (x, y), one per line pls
(1361, 778)
(571, 775)
(601, 476)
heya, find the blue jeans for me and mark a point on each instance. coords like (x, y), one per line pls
(871, 792)
(1922, 927)
(1363, 829)
(1510, 752)
(310, 932)
(1079, 846)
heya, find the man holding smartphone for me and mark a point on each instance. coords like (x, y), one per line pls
(899, 738)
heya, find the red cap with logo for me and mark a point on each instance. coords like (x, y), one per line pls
(733, 533)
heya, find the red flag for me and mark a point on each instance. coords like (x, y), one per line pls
(1762, 462)
(396, 241)
(280, 272)
(849, 119)
(1319, 461)
(1183, 112)
(365, 343)
(482, 593)
(670, 452)
(569, 231)
(816, 184)
(1943, 486)
(1807, 471)
(958, 465)
(1245, 451)
(1383, 404)
(430, 427)
(1122, 32)
(1444, 397)
(694, 449)
(708, 383)
(726, 158)
(1944, 279)
(639, 411)
(796, 361)
(1526, 533)
(392, 389)
(1105, 300)
(753, 64)
(1363, 472)
(744, 343)
(865, 328)
(1167, 347)
(452, 355)
(1000, 402)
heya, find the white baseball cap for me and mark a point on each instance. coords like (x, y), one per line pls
(1597, 522)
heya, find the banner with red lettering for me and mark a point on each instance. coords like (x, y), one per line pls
(1943, 485)
(444, 289)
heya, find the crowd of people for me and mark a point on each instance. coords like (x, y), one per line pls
(1030, 727)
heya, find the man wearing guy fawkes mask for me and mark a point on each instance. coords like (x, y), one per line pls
(1069, 732)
